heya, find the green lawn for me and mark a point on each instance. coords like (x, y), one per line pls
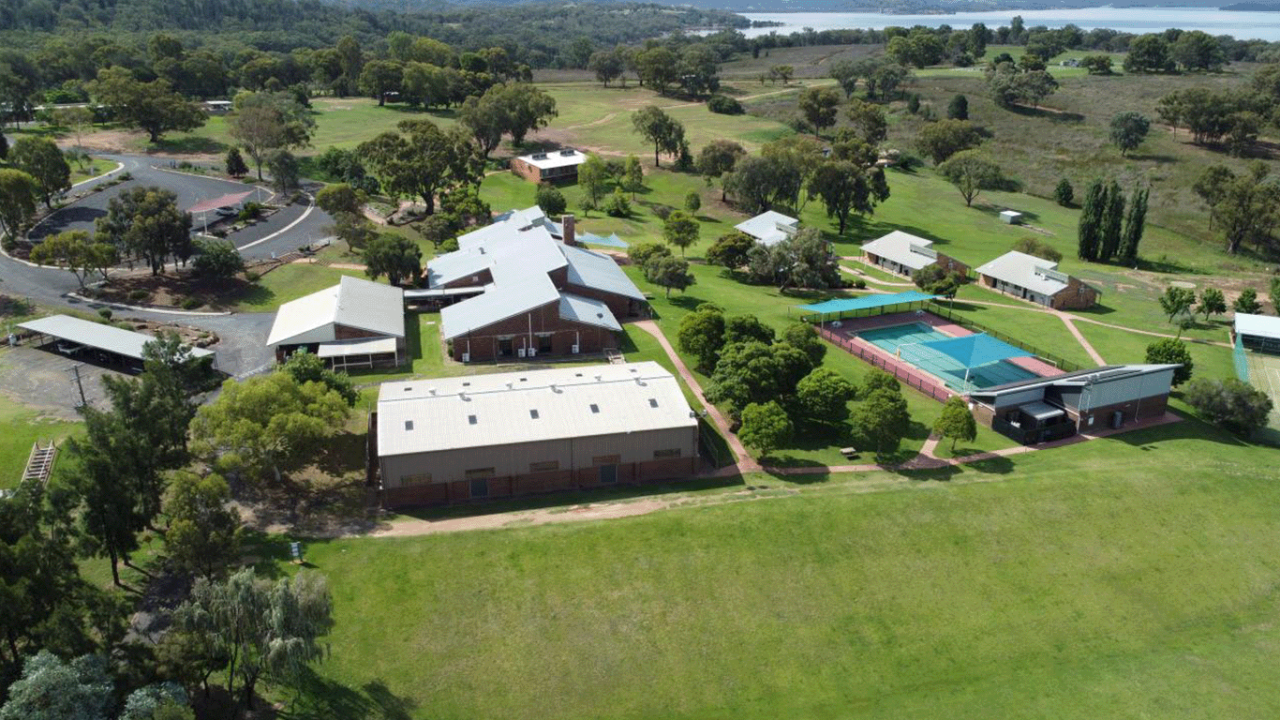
(1079, 583)
(1118, 346)
(290, 282)
(91, 169)
(1041, 330)
(23, 427)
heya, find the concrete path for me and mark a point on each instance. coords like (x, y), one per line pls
(1080, 338)
(868, 278)
(745, 462)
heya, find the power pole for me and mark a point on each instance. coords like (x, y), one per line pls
(80, 384)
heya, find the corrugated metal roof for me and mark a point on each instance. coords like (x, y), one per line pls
(485, 410)
(555, 159)
(352, 302)
(97, 335)
(896, 246)
(375, 346)
(587, 311)
(1088, 376)
(1024, 271)
(1258, 325)
(498, 302)
(764, 227)
(597, 270)
(510, 251)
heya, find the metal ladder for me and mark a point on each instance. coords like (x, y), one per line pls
(40, 463)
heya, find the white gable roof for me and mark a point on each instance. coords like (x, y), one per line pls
(1028, 271)
(555, 159)
(436, 414)
(353, 302)
(904, 249)
(769, 228)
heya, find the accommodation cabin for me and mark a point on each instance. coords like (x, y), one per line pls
(903, 254)
(769, 228)
(443, 440)
(1037, 280)
(356, 323)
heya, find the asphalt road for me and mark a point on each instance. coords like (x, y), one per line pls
(242, 347)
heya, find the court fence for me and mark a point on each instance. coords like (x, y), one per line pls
(1241, 362)
(1061, 363)
(897, 369)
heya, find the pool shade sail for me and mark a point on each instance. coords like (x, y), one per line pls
(867, 302)
(973, 351)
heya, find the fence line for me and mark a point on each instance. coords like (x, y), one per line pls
(1242, 362)
(1059, 362)
(899, 370)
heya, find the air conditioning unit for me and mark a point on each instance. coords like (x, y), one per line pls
(519, 352)
(466, 357)
(533, 352)
(575, 350)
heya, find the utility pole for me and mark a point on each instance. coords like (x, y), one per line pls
(80, 384)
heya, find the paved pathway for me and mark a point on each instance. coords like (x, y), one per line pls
(869, 278)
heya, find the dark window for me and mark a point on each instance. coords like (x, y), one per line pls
(480, 488)
(669, 453)
(595, 408)
(544, 466)
(608, 474)
(533, 414)
(408, 424)
(544, 344)
(480, 474)
(653, 402)
(471, 419)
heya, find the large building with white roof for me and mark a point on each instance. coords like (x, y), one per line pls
(903, 254)
(443, 440)
(352, 324)
(530, 290)
(1038, 280)
(1258, 332)
(770, 227)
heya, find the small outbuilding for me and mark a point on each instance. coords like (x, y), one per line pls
(356, 323)
(1011, 217)
(555, 166)
(1258, 332)
(444, 440)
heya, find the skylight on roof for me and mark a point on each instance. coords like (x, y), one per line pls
(595, 408)
(471, 419)
(533, 413)
(408, 424)
(653, 402)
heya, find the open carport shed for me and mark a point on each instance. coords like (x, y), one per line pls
(861, 306)
(105, 344)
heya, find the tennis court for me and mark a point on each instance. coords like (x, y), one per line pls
(1264, 374)
(905, 341)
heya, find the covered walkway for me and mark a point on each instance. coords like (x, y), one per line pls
(104, 344)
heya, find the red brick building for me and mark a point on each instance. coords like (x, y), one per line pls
(1036, 280)
(551, 167)
(543, 293)
(903, 254)
(356, 323)
(446, 440)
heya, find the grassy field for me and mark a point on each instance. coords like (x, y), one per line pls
(23, 427)
(291, 282)
(1078, 583)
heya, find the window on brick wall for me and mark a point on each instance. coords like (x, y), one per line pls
(480, 473)
(668, 453)
(415, 479)
(545, 466)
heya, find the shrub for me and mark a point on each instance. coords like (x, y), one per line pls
(250, 211)
(191, 303)
(139, 294)
(217, 259)
(724, 105)
(692, 202)
(913, 103)
(125, 176)
(663, 211)
(618, 205)
(642, 253)
(860, 284)
(1039, 248)
(1169, 351)
(551, 200)
(105, 314)
(1064, 193)
(252, 276)
(1232, 404)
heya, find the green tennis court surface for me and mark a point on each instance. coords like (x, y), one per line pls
(1264, 374)
(904, 342)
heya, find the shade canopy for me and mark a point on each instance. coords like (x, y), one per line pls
(867, 302)
(221, 201)
(973, 351)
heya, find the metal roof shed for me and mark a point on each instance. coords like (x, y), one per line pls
(106, 338)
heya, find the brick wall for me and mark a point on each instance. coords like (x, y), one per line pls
(1076, 296)
(620, 305)
(483, 344)
(951, 264)
(525, 170)
(1142, 409)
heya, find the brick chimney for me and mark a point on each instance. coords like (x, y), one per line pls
(570, 234)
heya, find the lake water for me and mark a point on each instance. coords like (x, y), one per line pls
(1242, 25)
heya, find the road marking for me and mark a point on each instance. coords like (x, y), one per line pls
(311, 205)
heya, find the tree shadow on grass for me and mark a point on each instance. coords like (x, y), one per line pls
(188, 145)
(321, 698)
(1052, 115)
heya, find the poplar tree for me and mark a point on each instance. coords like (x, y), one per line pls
(1090, 229)
(1112, 221)
(1133, 226)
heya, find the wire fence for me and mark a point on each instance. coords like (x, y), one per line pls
(899, 370)
(1061, 363)
(1241, 361)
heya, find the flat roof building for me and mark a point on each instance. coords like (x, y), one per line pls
(112, 345)
(1037, 280)
(553, 166)
(903, 254)
(442, 440)
(1041, 409)
(352, 324)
